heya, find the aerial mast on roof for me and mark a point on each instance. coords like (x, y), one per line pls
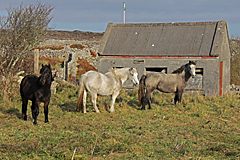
(124, 9)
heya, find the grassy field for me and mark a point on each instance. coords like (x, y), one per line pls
(199, 128)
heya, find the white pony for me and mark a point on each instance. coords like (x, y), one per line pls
(106, 84)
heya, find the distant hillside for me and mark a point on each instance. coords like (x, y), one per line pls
(73, 35)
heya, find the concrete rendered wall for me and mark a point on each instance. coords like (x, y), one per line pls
(225, 58)
(210, 68)
(221, 49)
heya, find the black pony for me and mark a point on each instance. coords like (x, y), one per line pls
(36, 89)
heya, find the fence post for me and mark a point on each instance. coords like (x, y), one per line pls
(36, 62)
(65, 68)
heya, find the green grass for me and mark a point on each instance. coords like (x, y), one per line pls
(199, 128)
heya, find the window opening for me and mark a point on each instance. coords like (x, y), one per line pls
(157, 69)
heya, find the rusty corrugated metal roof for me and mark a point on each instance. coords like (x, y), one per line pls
(159, 39)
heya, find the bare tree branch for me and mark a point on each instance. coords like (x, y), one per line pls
(20, 31)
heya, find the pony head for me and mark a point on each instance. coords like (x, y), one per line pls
(192, 68)
(133, 76)
(46, 74)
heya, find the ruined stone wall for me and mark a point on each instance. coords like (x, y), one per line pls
(71, 51)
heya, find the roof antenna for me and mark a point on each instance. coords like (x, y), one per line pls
(124, 10)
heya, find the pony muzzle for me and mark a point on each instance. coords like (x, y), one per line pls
(135, 82)
(193, 75)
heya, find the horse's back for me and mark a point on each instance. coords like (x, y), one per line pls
(92, 80)
(96, 82)
(91, 77)
(153, 78)
(28, 85)
(161, 81)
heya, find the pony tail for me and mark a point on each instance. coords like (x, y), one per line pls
(80, 95)
(141, 89)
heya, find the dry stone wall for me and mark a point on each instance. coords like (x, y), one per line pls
(70, 51)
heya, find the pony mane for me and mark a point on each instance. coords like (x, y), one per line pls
(179, 70)
(46, 69)
(113, 72)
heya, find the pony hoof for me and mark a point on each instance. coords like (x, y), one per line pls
(142, 108)
(25, 118)
(46, 121)
(34, 123)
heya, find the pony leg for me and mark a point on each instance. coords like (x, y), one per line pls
(144, 102)
(46, 110)
(114, 96)
(24, 108)
(148, 97)
(178, 97)
(84, 101)
(94, 102)
(35, 111)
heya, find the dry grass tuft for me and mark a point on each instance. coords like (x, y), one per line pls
(201, 127)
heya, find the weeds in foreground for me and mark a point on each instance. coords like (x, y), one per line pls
(199, 128)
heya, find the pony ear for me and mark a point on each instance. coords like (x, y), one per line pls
(42, 65)
(193, 62)
(131, 69)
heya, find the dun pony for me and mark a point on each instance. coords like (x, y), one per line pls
(167, 83)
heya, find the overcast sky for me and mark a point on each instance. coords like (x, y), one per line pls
(94, 15)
